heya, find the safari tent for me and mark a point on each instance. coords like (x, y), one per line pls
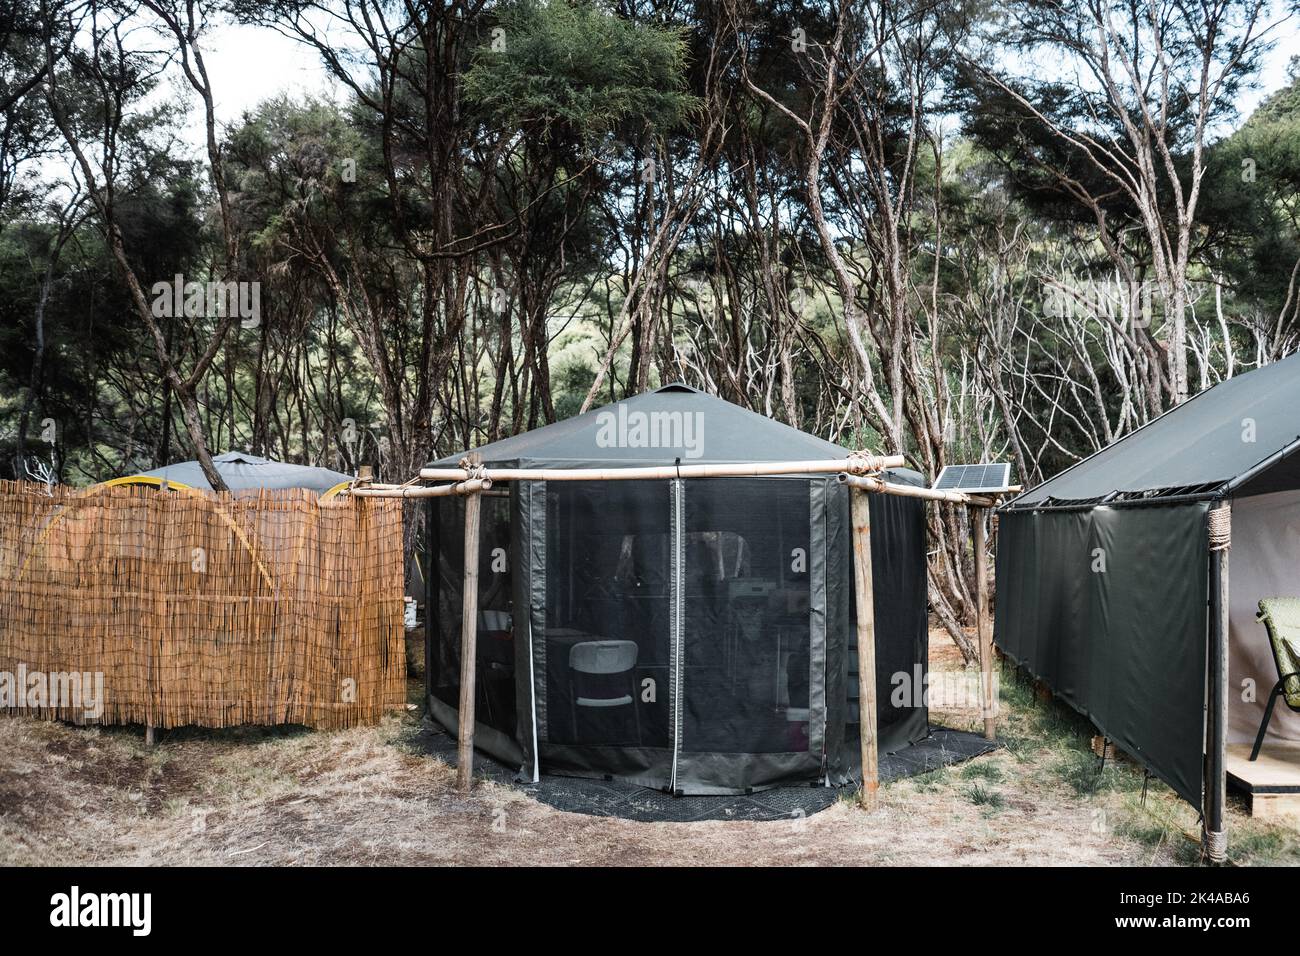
(1115, 586)
(694, 634)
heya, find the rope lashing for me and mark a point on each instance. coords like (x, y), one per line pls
(476, 478)
(474, 468)
(1220, 529)
(863, 462)
(1216, 843)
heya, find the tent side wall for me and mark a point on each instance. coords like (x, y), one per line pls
(1108, 606)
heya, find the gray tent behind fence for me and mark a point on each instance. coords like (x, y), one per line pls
(241, 472)
(692, 635)
(1107, 587)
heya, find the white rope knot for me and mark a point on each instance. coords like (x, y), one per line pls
(1220, 529)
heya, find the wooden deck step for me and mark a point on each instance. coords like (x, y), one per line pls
(1271, 783)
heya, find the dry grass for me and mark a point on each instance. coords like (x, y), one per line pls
(365, 796)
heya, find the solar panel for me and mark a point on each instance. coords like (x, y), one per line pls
(988, 476)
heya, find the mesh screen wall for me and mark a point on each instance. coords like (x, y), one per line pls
(752, 678)
(691, 635)
(747, 635)
(902, 634)
(608, 549)
(494, 655)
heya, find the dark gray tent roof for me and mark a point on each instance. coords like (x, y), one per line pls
(675, 421)
(241, 472)
(1201, 448)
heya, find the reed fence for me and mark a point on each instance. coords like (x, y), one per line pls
(213, 610)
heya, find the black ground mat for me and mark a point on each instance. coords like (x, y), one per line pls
(606, 798)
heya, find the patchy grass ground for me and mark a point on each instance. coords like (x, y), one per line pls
(295, 797)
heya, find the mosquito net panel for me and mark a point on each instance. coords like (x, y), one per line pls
(494, 656)
(606, 648)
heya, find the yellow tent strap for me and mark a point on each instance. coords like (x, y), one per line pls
(333, 492)
(141, 480)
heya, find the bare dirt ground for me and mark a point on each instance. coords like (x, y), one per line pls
(75, 796)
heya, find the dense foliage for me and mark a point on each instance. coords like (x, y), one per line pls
(960, 230)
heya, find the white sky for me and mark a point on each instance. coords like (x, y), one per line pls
(1274, 74)
(249, 64)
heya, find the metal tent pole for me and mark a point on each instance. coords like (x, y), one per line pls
(983, 631)
(432, 587)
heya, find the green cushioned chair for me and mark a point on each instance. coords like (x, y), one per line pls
(1282, 618)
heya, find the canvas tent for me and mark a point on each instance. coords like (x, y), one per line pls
(241, 472)
(1110, 588)
(727, 604)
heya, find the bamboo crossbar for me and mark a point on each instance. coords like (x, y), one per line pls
(868, 483)
(857, 465)
(469, 487)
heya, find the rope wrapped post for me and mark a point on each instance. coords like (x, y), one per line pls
(866, 463)
(469, 629)
(1219, 529)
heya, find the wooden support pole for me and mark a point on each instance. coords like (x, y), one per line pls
(468, 649)
(150, 735)
(983, 630)
(866, 607)
(1216, 737)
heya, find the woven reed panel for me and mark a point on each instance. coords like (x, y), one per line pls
(212, 610)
